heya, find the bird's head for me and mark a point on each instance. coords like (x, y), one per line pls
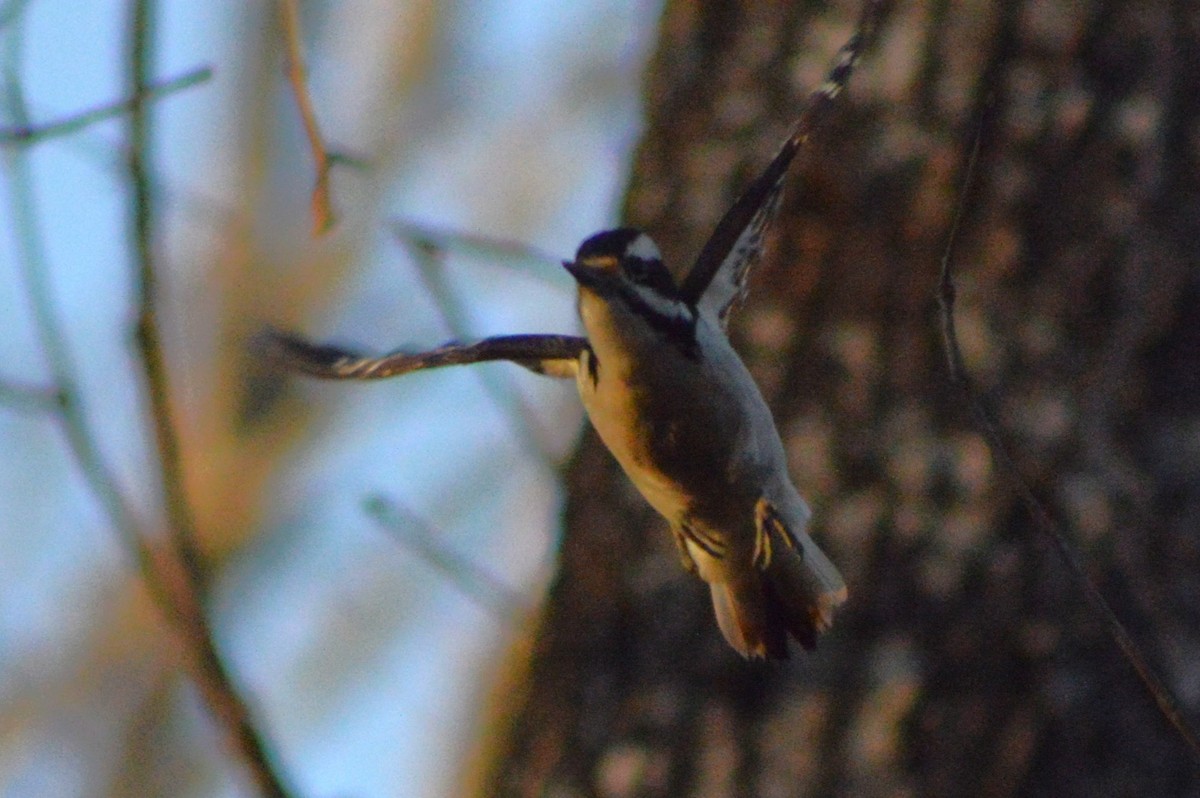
(622, 271)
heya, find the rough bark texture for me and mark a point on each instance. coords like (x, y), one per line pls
(965, 663)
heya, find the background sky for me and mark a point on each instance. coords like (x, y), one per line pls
(368, 664)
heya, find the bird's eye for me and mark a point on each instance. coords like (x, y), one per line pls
(637, 269)
(649, 273)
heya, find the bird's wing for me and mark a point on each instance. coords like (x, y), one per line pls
(551, 355)
(718, 277)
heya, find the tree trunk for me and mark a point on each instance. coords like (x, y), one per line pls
(966, 662)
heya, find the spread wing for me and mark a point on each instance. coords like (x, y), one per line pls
(718, 278)
(551, 355)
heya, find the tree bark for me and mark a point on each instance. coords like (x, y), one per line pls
(966, 662)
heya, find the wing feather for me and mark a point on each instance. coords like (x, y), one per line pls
(551, 355)
(718, 278)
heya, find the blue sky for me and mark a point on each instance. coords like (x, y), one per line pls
(511, 119)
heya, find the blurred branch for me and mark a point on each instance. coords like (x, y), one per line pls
(184, 592)
(31, 262)
(416, 534)
(430, 259)
(34, 134)
(1168, 705)
(10, 11)
(149, 340)
(166, 581)
(324, 216)
(30, 398)
(408, 231)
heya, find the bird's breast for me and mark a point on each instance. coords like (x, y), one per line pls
(641, 442)
(678, 427)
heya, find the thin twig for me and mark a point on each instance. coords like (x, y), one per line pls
(409, 231)
(29, 398)
(35, 134)
(187, 588)
(475, 581)
(324, 215)
(31, 261)
(1168, 705)
(431, 268)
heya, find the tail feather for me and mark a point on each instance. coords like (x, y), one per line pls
(807, 587)
(749, 619)
(796, 594)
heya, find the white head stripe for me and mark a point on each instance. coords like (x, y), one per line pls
(643, 247)
(664, 306)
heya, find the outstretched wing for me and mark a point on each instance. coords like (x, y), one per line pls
(718, 278)
(552, 355)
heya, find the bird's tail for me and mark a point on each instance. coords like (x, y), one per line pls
(794, 589)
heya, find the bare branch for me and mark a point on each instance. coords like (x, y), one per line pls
(185, 588)
(35, 134)
(409, 232)
(1168, 705)
(11, 11)
(29, 398)
(324, 215)
(165, 579)
(31, 262)
(472, 579)
(430, 260)
(149, 340)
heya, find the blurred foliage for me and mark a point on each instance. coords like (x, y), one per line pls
(345, 642)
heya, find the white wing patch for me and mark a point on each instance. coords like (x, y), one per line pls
(728, 284)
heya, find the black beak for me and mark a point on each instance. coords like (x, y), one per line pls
(587, 276)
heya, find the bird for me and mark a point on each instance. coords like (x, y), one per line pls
(673, 402)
